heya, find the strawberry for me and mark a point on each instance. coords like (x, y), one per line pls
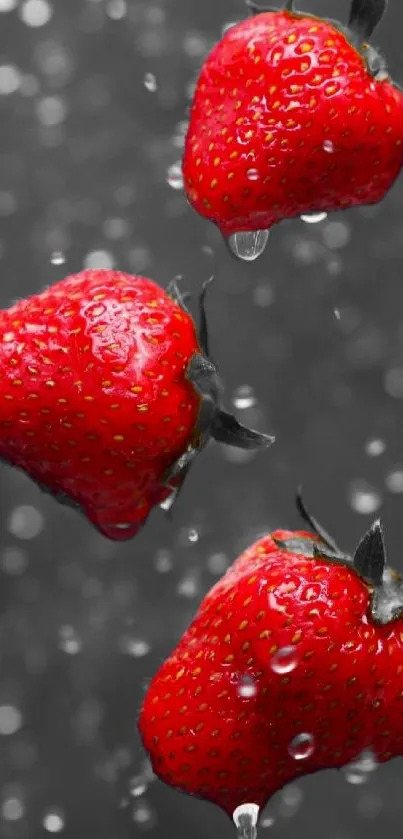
(292, 114)
(293, 663)
(107, 394)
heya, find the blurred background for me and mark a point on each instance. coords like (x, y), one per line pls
(309, 339)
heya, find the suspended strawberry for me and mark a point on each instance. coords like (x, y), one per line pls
(292, 115)
(293, 663)
(107, 395)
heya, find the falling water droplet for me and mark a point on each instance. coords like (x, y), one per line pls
(394, 481)
(248, 245)
(245, 819)
(175, 176)
(244, 397)
(313, 218)
(53, 821)
(375, 447)
(58, 258)
(302, 746)
(357, 773)
(284, 660)
(246, 687)
(150, 82)
(364, 498)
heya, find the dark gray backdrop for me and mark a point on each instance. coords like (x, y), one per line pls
(93, 95)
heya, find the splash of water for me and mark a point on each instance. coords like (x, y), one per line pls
(245, 819)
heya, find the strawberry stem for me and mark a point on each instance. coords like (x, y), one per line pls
(256, 9)
(203, 327)
(365, 16)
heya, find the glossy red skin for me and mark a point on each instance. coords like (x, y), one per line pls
(94, 398)
(271, 94)
(346, 689)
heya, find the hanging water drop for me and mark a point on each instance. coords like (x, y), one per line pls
(302, 746)
(245, 819)
(248, 245)
(175, 176)
(313, 218)
(58, 258)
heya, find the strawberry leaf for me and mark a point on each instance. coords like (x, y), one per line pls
(370, 555)
(365, 16)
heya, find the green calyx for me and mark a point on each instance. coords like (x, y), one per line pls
(368, 562)
(213, 421)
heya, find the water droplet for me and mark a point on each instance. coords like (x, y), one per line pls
(36, 12)
(116, 9)
(248, 245)
(252, 174)
(302, 746)
(358, 772)
(290, 801)
(10, 720)
(263, 295)
(143, 815)
(193, 535)
(13, 560)
(313, 218)
(394, 481)
(336, 234)
(12, 809)
(51, 110)
(25, 522)
(8, 5)
(245, 819)
(163, 561)
(393, 382)
(136, 647)
(246, 687)
(10, 79)
(99, 259)
(228, 26)
(150, 82)
(375, 447)
(284, 660)
(217, 563)
(53, 821)
(268, 821)
(337, 314)
(137, 789)
(364, 498)
(175, 176)
(329, 147)
(69, 641)
(244, 397)
(58, 258)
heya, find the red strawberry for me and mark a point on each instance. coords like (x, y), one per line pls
(292, 114)
(107, 394)
(293, 663)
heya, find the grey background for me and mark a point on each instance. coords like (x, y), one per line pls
(314, 329)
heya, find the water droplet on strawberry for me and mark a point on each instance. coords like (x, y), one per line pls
(252, 174)
(244, 397)
(313, 218)
(150, 82)
(329, 147)
(248, 245)
(175, 176)
(246, 687)
(302, 746)
(245, 819)
(284, 660)
(58, 258)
